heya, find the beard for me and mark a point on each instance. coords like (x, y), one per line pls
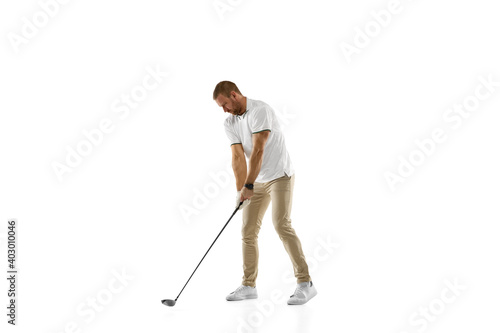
(238, 108)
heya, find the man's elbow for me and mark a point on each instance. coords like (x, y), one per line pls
(258, 152)
(237, 160)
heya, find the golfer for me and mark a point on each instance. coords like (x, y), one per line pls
(254, 131)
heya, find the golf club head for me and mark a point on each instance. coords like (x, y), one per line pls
(168, 302)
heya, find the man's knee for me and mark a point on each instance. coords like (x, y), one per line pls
(249, 235)
(249, 239)
(283, 227)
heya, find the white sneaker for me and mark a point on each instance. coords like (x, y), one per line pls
(303, 293)
(241, 293)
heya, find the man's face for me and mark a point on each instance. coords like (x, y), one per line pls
(229, 104)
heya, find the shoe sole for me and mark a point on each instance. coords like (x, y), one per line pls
(242, 298)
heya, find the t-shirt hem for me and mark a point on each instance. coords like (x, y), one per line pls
(284, 173)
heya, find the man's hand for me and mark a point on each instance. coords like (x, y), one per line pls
(239, 199)
(246, 193)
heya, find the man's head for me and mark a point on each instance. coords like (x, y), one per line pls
(228, 96)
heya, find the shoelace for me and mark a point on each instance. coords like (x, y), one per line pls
(297, 291)
(238, 289)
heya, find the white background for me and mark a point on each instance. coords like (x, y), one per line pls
(345, 124)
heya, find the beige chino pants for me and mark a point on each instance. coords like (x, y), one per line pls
(280, 192)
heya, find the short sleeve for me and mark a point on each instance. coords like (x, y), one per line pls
(261, 120)
(231, 134)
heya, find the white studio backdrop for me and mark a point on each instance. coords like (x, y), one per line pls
(116, 166)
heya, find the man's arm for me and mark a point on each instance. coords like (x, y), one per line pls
(259, 141)
(239, 164)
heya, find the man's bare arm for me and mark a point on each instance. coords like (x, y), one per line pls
(259, 141)
(239, 164)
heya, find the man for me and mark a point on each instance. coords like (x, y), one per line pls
(254, 131)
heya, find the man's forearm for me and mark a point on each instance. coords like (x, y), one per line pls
(240, 171)
(255, 164)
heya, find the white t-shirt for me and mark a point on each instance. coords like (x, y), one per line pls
(260, 117)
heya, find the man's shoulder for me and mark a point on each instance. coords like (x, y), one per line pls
(258, 104)
(260, 108)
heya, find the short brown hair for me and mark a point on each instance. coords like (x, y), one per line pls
(225, 88)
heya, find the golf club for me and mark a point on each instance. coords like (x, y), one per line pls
(170, 302)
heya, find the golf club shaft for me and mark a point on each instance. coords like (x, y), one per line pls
(209, 249)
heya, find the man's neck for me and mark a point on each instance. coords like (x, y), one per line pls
(245, 105)
(244, 108)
